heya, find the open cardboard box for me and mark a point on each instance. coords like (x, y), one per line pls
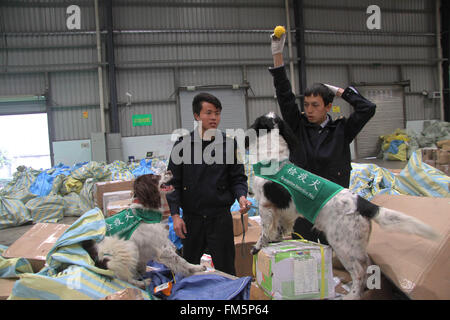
(110, 186)
(418, 267)
(115, 207)
(6, 286)
(243, 261)
(115, 196)
(36, 243)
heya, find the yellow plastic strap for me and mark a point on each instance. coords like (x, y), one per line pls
(322, 271)
(254, 265)
(298, 235)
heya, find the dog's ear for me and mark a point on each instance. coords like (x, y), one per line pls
(255, 124)
(91, 247)
(102, 264)
(146, 190)
(287, 134)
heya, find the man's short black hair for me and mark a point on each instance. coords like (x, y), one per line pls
(204, 97)
(318, 89)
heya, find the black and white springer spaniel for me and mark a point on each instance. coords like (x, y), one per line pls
(345, 219)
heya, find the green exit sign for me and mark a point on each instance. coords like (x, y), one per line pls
(142, 120)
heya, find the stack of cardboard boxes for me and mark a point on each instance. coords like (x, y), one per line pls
(438, 157)
(114, 196)
(108, 192)
(416, 266)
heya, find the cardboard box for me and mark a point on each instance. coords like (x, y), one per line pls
(109, 197)
(115, 207)
(165, 207)
(101, 188)
(442, 157)
(243, 262)
(445, 168)
(429, 154)
(6, 286)
(126, 294)
(444, 144)
(293, 270)
(238, 228)
(35, 244)
(396, 171)
(385, 292)
(418, 267)
(430, 162)
(256, 293)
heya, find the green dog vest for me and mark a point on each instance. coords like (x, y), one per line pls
(308, 191)
(126, 221)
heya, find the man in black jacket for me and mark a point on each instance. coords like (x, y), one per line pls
(207, 180)
(324, 147)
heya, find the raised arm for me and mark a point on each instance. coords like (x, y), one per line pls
(286, 98)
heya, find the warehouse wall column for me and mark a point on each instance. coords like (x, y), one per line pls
(445, 43)
(300, 42)
(113, 109)
(51, 126)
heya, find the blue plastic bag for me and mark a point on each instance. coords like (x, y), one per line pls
(199, 287)
(172, 236)
(145, 167)
(44, 181)
(393, 146)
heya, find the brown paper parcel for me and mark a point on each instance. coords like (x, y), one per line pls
(419, 267)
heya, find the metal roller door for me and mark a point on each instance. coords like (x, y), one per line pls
(389, 116)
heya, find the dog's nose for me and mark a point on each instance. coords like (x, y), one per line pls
(169, 172)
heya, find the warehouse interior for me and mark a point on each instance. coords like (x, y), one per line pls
(111, 82)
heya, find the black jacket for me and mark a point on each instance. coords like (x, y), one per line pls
(325, 152)
(205, 189)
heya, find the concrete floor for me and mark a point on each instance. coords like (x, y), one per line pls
(9, 235)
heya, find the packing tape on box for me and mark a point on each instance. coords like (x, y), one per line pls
(322, 263)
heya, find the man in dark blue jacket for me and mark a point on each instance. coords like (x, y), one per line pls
(324, 147)
(207, 180)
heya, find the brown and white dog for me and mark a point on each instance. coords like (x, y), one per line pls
(128, 258)
(345, 219)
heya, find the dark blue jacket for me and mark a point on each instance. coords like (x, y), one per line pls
(205, 189)
(326, 154)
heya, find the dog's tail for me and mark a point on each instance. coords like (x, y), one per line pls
(391, 220)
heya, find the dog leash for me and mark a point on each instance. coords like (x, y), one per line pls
(243, 235)
(243, 230)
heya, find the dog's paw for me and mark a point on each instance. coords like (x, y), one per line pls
(147, 282)
(142, 284)
(254, 250)
(352, 295)
(197, 268)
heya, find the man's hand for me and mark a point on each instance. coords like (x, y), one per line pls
(179, 226)
(244, 204)
(277, 44)
(337, 91)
